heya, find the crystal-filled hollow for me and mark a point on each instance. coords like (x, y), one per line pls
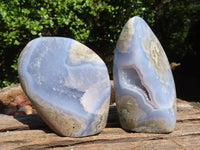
(144, 84)
(67, 83)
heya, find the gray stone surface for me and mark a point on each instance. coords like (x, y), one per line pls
(67, 83)
(145, 90)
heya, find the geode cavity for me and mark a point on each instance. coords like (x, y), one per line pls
(145, 89)
(67, 83)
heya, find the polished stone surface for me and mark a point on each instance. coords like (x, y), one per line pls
(67, 83)
(145, 89)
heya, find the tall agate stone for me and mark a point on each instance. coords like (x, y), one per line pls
(67, 83)
(145, 90)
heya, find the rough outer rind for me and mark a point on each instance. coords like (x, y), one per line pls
(130, 116)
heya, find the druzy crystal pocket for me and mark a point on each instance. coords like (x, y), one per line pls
(145, 90)
(67, 83)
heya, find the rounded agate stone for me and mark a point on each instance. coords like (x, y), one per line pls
(145, 90)
(67, 83)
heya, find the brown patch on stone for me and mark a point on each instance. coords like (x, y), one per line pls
(79, 51)
(130, 113)
(61, 123)
(101, 118)
(157, 58)
(125, 37)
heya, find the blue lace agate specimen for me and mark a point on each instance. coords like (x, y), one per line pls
(145, 90)
(67, 83)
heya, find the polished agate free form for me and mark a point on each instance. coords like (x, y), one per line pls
(145, 89)
(67, 83)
